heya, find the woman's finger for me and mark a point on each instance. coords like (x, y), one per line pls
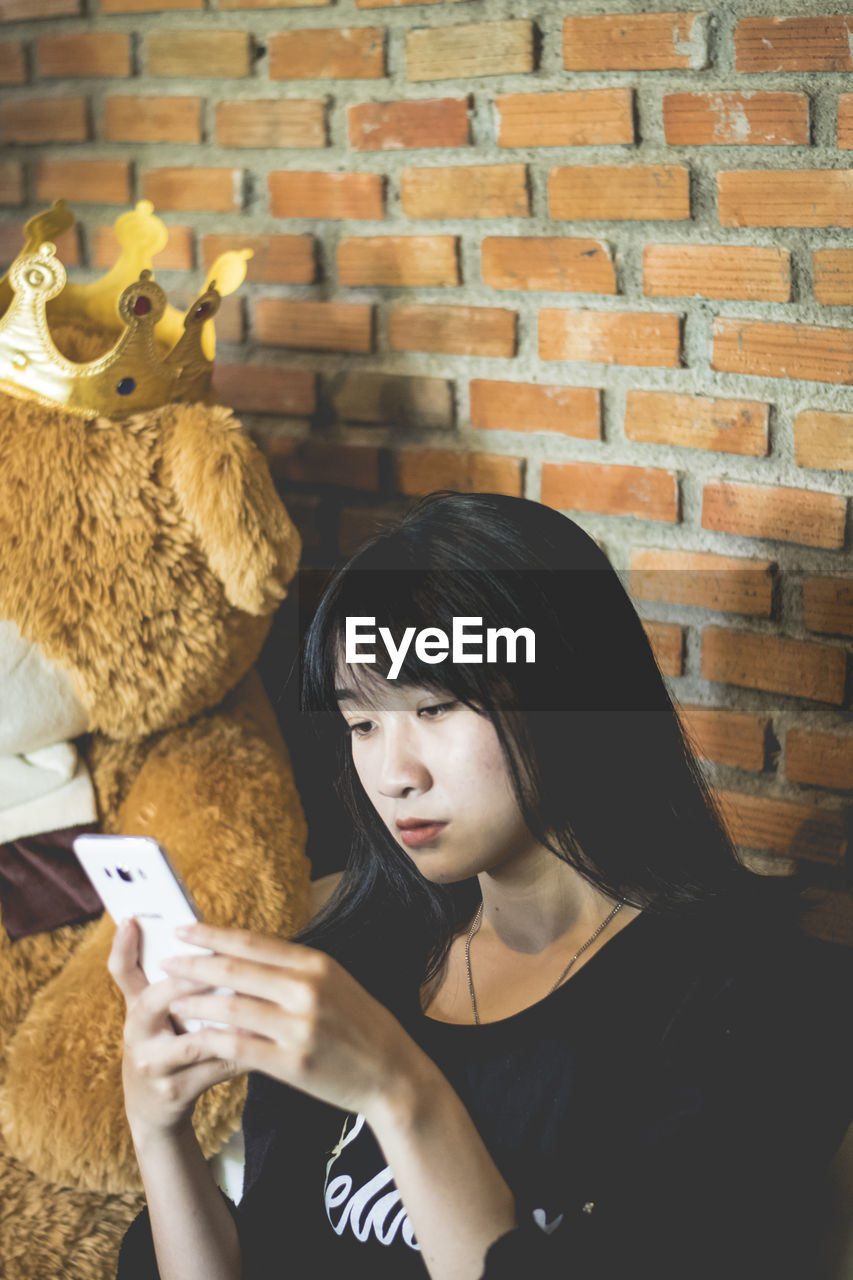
(161, 1057)
(123, 963)
(148, 1015)
(235, 1050)
(277, 982)
(245, 945)
(243, 1012)
(193, 1081)
(293, 991)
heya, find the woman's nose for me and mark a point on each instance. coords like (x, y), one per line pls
(402, 767)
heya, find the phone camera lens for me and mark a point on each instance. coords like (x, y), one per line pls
(124, 874)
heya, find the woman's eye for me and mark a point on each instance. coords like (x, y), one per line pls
(360, 729)
(437, 709)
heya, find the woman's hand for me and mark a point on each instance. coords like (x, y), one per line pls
(163, 1073)
(297, 1015)
(294, 1014)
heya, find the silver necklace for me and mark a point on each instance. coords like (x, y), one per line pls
(475, 925)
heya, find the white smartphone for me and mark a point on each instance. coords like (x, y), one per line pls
(134, 876)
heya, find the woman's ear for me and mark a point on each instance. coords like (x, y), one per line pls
(224, 489)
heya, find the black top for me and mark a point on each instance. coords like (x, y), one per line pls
(668, 1112)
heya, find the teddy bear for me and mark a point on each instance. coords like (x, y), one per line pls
(143, 552)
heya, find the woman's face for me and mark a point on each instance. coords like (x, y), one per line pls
(435, 772)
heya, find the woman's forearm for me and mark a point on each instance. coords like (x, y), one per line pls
(456, 1198)
(194, 1234)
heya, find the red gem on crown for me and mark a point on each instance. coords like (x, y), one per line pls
(142, 305)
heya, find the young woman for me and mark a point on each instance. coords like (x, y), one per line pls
(547, 1026)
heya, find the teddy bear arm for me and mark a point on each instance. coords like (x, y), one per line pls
(61, 1108)
(222, 801)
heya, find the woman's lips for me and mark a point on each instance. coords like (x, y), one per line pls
(415, 834)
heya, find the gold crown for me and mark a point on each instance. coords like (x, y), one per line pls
(160, 355)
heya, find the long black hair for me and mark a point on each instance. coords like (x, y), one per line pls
(599, 760)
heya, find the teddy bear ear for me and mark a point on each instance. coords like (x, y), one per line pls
(225, 491)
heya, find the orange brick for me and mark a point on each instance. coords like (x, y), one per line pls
(702, 579)
(458, 331)
(466, 191)
(217, 190)
(306, 510)
(387, 4)
(845, 121)
(390, 400)
(646, 493)
(252, 388)
(819, 759)
(177, 255)
(315, 326)
(326, 195)
(416, 261)
(146, 119)
(273, 4)
(784, 515)
(635, 42)
(697, 422)
(833, 276)
(460, 52)
(824, 440)
(813, 352)
(11, 182)
(225, 55)
(420, 471)
(610, 337)
(356, 53)
(829, 915)
(12, 238)
(620, 191)
(722, 118)
(316, 462)
(275, 260)
(734, 738)
(357, 524)
(797, 830)
(579, 118)
(828, 604)
(667, 642)
(400, 126)
(716, 271)
(793, 44)
(523, 406)
(83, 181)
(13, 65)
(18, 10)
(148, 6)
(283, 122)
(776, 664)
(786, 198)
(44, 120)
(554, 263)
(84, 53)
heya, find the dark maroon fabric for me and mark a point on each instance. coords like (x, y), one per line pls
(43, 886)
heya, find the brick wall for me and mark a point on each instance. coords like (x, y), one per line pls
(599, 259)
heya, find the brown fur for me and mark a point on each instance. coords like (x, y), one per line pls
(144, 557)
